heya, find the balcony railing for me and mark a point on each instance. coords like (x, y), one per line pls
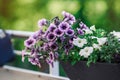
(53, 71)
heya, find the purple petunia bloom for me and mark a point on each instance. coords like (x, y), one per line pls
(68, 47)
(50, 59)
(62, 39)
(50, 62)
(46, 47)
(70, 32)
(45, 34)
(80, 31)
(29, 42)
(53, 46)
(56, 21)
(68, 17)
(38, 35)
(65, 14)
(42, 22)
(51, 56)
(51, 37)
(58, 32)
(32, 51)
(83, 26)
(43, 47)
(56, 55)
(34, 61)
(51, 28)
(64, 26)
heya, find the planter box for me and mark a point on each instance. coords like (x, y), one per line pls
(98, 71)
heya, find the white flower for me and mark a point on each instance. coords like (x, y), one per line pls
(101, 41)
(96, 46)
(86, 52)
(88, 31)
(116, 34)
(93, 37)
(79, 42)
(93, 28)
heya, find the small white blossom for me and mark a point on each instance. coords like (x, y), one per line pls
(79, 42)
(116, 34)
(86, 52)
(101, 41)
(88, 31)
(93, 28)
(96, 46)
(93, 37)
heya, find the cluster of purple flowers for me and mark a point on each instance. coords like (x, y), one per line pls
(49, 44)
(82, 28)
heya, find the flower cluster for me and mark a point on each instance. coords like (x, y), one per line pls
(61, 41)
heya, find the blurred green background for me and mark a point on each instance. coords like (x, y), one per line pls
(24, 14)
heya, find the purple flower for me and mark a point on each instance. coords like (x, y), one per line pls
(51, 37)
(62, 38)
(51, 56)
(71, 19)
(64, 26)
(42, 22)
(45, 34)
(34, 61)
(58, 32)
(45, 46)
(29, 42)
(68, 17)
(68, 47)
(50, 59)
(65, 14)
(50, 62)
(40, 32)
(56, 21)
(56, 55)
(53, 46)
(70, 32)
(51, 28)
(38, 35)
(83, 26)
(32, 51)
(71, 39)
(80, 31)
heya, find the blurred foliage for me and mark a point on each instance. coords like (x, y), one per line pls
(18, 43)
(103, 13)
(24, 14)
